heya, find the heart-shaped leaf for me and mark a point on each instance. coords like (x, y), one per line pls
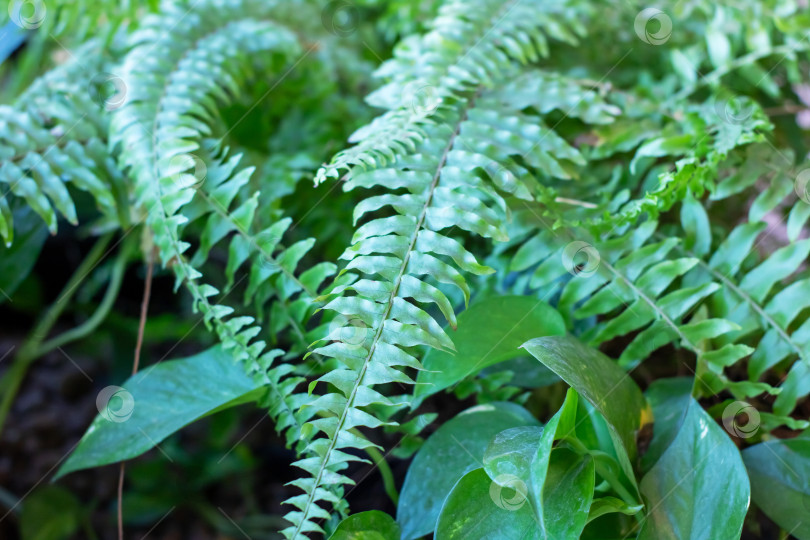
(603, 383)
(371, 525)
(456, 448)
(488, 332)
(698, 489)
(780, 482)
(158, 401)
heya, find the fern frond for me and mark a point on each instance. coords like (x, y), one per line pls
(752, 295)
(468, 46)
(627, 281)
(210, 50)
(718, 299)
(55, 136)
(75, 18)
(404, 260)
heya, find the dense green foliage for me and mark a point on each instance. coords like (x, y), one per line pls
(527, 183)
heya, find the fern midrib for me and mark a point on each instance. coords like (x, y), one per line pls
(414, 119)
(252, 239)
(181, 261)
(377, 335)
(663, 316)
(750, 301)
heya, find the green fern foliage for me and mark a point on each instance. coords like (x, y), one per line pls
(173, 103)
(468, 48)
(455, 179)
(649, 186)
(56, 136)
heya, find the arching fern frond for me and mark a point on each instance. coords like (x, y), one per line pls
(753, 295)
(210, 50)
(404, 259)
(468, 46)
(55, 136)
(628, 282)
(75, 18)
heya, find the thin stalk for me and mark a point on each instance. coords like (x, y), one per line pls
(114, 286)
(11, 381)
(147, 293)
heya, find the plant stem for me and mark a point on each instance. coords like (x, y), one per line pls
(11, 381)
(147, 293)
(103, 309)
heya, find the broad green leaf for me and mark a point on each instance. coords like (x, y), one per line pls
(669, 399)
(598, 379)
(567, 494)
(526, 372)
(557, 497)
(511, 452)
(50, 513)
(479, 508)
(456, 448)
(698, 489)
(158, 401)
(371, 525)
(780, 482)
(524, 472)
(489, 331)
(561, 425)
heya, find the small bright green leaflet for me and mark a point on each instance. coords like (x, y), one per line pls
(698, 489)
(479, 508)
(488, 332)
(371, 525)
(602, 382)
(456, 448)
(164, 398)
(779, 472)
